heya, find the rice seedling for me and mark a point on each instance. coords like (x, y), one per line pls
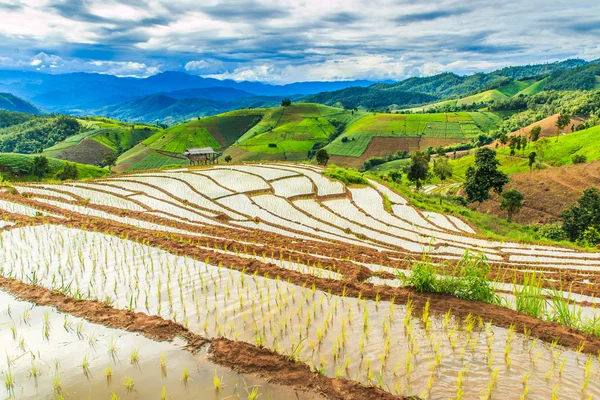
(129, 384)
(134, 357)
(217, 382)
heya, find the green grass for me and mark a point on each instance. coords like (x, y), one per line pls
(515, 87)
(534, 88)
(494, 94)
(157, 161)
(16, 167)
(294, 129)
(508, 164)
(390, 166)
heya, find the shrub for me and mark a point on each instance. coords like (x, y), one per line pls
(578, 158)
(591, 237)
(423, 278)
(69, 171)
(272, 145)
(345, 139)
(347, 176)
(552, 231)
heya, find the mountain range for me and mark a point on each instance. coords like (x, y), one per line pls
(82, 93)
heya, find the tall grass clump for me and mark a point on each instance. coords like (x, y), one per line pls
(468, 282)
(529, 298)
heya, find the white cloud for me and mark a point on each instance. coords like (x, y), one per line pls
(290, 41)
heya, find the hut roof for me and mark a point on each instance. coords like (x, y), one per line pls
(199, 151)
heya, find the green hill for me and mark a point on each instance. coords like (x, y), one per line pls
(17, 167)
(556, 154)
(10, 102)
(165, 148)
(37, 133)
(408, 132)
(98, 137)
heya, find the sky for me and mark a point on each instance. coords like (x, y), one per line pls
(281, 41)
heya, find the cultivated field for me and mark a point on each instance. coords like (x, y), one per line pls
(278, 270)
(438, 129)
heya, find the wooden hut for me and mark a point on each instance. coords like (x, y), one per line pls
(204, 155)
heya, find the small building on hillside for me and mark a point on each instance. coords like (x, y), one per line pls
(203, 155)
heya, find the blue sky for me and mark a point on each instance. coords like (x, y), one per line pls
(291, 41)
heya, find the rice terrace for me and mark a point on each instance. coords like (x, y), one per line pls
(309, 200)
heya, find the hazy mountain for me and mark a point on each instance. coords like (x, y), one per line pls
(79, 93)
(11, 102)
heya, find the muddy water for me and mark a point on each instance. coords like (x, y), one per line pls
(58, 356)
(400, 350)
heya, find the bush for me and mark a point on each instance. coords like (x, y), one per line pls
(578, 158)
(69, 171)
(272, 145)
(345, 139)
(348, 176)
(469, 281)
(591, 237)
(552, 231)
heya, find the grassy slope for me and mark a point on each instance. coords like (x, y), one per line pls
(487, 225)
(109, 133)
(17, 167)
(557, 154)
(164, 148)
(293, 129)
(457, 126)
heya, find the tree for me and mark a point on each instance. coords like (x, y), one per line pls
(578, 218)
(228, 158)
(395, 176)
(418, 168)
(40, 167)
(484, 176)
(535, 133)
(531, 156)
(69, 171)
(512, 201)
(503, 139)
(442, 168)
(322, 157)
(286, 102)
(563, 120)
(540, 148)
(110, 159)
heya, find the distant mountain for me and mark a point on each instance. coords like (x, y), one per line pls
(169, 109)
(80, 93)
(10, 102)
(564, 75)
(218, 93)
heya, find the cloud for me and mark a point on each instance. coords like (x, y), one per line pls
(288, 40)
(430, 15)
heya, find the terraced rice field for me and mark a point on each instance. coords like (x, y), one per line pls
(290, 278)
(446, 127)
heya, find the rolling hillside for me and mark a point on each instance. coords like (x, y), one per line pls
(17, 167)
(377, 135)
(10, 102)
(97, 138)
(165, 147)
(452, 90)
(172, 109)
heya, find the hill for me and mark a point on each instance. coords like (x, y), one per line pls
(17, 168)
(99, 137)
(10, 102)
(37, 133)
(165, 148)
(84, 93)
(548, 192)
(170, 110)
(378, 135)
(462, 91)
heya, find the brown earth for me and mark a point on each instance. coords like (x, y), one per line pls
(440, 304)
(88, 151)
(547, 192)
(549, 126)
(239, 356)
(381, 146)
